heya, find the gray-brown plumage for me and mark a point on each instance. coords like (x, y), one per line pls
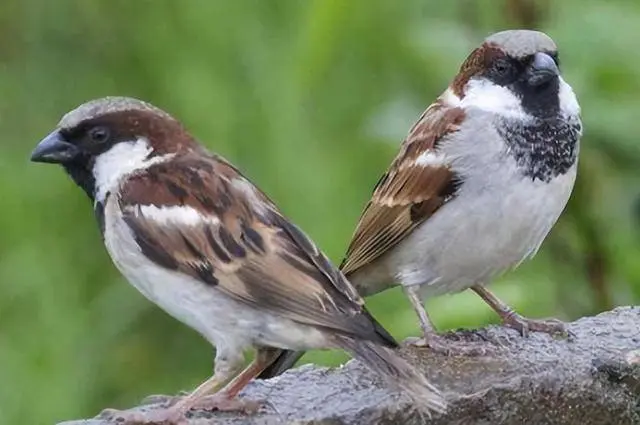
(202, 242)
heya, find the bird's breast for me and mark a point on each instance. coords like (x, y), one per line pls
(493, 224)
(197, 305)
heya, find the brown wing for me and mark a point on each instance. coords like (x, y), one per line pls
(411, 190)
(230, 235)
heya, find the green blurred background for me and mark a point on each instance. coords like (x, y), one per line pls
(311, 99)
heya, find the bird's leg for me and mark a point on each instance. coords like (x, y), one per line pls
(512, 319)
(174, 415)
(227, 364)
(430, 337)
(426, 325)
(226, 399)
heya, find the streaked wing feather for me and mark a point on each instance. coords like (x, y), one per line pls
(242, 245)
(408, 193)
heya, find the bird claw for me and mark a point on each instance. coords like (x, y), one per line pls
(548, 326)
(446, 347)
(134, 417)
(175, 415)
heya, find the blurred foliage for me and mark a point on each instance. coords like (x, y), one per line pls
(310, 99)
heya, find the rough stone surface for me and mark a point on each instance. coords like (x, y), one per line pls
(591, 378)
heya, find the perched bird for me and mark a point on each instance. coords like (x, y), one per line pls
(203, 243)
(478, 183)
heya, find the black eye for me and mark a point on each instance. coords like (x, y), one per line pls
(502, 68)
(99, 134)
(503, 71)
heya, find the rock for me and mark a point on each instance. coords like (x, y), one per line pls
(591, 378)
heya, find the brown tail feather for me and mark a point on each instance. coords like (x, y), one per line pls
(399, 372)
(288, 358)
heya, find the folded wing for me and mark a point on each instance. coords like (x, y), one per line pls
(199, 216)
(418, 182)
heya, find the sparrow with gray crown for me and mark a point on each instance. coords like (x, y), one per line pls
(198, 239)
(477, 185)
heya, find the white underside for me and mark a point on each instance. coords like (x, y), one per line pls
(476, 237)
(228, 324)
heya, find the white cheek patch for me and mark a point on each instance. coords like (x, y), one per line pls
(181, 214)
(484, 95)
(568, 101)
(122, 159)
(490, 97)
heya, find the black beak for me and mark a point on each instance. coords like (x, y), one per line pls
(54, 149)
(542, 69)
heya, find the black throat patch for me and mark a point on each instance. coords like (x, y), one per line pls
(98, 210)
(79, 172)
(543, 148)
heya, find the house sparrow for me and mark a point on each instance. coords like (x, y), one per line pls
(477, 185)
(203, 243)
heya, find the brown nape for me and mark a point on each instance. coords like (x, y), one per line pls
(478, 61)
(164, 134)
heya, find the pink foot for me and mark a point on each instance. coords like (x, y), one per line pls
(524, 325)
(160, 416)
(447, 347)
